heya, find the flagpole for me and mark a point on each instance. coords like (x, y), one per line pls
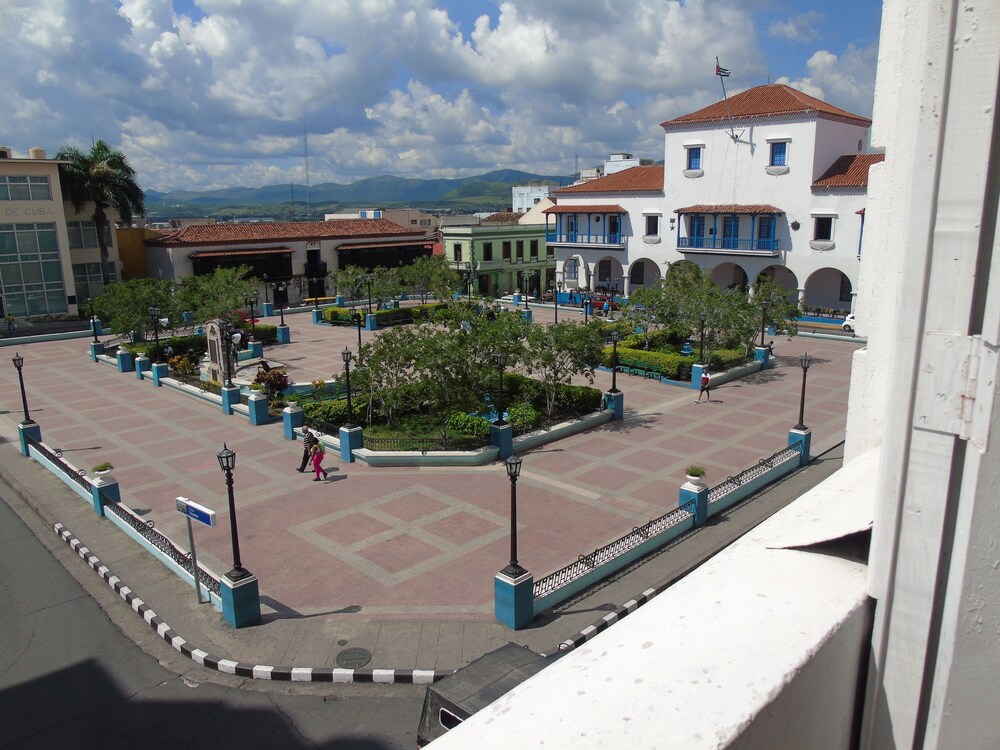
(725, 96)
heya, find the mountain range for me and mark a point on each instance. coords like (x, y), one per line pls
(490, 191)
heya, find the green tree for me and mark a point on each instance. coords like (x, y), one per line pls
(124, 307)
(219, 294)
(103, 177)
(430, 275)
(557, 353)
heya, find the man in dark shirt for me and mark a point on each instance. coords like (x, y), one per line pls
(308, 441)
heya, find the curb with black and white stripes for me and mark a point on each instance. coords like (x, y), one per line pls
(228, 666)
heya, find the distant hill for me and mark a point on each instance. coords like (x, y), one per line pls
(488, 191)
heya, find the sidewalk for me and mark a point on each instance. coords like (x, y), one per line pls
(395, 561)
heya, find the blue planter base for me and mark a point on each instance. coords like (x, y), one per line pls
(284, 335)
(351, 439)
(240, 601)
(513, 600)
(291, 417)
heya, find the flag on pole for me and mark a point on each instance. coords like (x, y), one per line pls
(720, 71)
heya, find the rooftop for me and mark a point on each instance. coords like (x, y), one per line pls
(634, 180)
(280, 231)
(849, 171)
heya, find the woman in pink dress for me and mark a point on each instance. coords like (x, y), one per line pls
(317, 461)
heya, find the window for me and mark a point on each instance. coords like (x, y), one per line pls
(604, 271)
(694, 158)
(456, 251)
(697, 231)
(845, 288)
(823, 228)
(730, 232)
(652, 226)
(25, 189)
(520, 249)
(571, 269)
(30, 270)
(487, 251)
(88, 280)
(412, 221)
(82, 234)
(779, 154)
(534, 249)
(765, 231)
(505, 250)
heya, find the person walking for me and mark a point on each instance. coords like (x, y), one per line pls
(11, 324)
(706, 386)
(317, 460)
(308, 441)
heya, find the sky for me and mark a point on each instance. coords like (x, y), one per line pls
(206, 94)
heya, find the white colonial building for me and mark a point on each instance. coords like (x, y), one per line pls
(771, 182)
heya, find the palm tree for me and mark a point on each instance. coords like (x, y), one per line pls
(105, 178)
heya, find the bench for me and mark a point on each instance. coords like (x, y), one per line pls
(633, 367)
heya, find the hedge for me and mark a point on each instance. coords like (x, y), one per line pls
(671, 363)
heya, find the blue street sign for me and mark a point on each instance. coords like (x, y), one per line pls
(192, 510)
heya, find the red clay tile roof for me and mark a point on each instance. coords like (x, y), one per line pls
(729, 208)
(277, 231)
(503, 217)
(632, 180)
(611, 208)
(369, 245)
(256, 251)
(849, 171)
(765, 101)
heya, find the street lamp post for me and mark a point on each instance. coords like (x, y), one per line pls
(804, 362)
(154, 315)
(368, 284)
(227, 462)
(555, 299)
(266, 300)
(224, 333)
(703, 316)
(93, 318)
(346, 354)
(614, 362)
(280, 287)
(501, 360)
(586, 305)
(764, 305)
(18, 361)
(251, 301)
(357, 319)
(513, 570)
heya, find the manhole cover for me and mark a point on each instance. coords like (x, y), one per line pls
(353, 658)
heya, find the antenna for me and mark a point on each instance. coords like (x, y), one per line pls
(305, 141)
(723, 74)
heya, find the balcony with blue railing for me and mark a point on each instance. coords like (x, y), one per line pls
(735, 245)
(612, 239)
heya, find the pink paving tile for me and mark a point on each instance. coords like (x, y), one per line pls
(646, 460)
(609, 477)
(411, 507)
(558, 462)
(398, 553)
(461, 527)
(349, 530)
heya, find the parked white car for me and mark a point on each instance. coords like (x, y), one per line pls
(848, 324)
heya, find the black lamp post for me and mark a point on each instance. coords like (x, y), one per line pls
(703, 316)
(251, 301)
(513, 570)
(93, 318)
(224, 333)
(586, 305)
(614, 362)
(804, 362)
(154, 317)
(501, 360)
(346, 354)
(280, 287)
(555, 299)
(358, 319)
(368, 284)
(18, 361)
(266, 300)
(763, 318)
(227, 462)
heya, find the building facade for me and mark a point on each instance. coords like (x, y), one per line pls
(500, 256)
(301, 253)
(772, 182)
(50, 261)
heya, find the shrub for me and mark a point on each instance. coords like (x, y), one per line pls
(183, 364)
(523, 417)
(469, 424)
(273, 383)
(326, 415)
(104, 466)
(578, 398)
(694, 471)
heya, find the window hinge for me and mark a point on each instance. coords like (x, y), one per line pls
(956, 386)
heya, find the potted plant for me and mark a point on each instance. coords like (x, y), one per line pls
(103, 468)
(694, 473)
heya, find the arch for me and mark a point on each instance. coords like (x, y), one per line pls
(575, 272)
(642, 272)
(829, 288)
(731, 276)
(785, 278)
(607, 274)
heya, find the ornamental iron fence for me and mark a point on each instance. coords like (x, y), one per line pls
(731, 484)
(55, 457)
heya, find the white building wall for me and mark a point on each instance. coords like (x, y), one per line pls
(835, 139)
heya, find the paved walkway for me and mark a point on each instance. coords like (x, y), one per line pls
(398, 561)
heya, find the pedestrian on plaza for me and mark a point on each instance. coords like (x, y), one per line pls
(706, 386)
(11, 324)
(770, 348)
(606, 309)
(317, 460)
(308, 441)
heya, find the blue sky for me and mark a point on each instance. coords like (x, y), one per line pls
(204, 94)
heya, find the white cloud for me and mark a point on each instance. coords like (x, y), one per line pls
(804, 27)
(220, 96)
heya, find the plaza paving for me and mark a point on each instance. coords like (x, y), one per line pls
(399, 560)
